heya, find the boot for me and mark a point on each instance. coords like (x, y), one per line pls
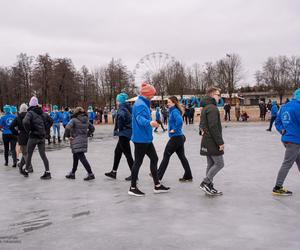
(59, 140)
(54, 139)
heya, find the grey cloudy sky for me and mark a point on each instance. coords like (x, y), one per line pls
(91, 32)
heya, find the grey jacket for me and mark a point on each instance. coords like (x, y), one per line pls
(79, 128)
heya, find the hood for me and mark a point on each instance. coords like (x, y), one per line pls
(208, 100)
(83, 118)
(38, 110)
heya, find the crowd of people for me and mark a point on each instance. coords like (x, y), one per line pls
(30, 128)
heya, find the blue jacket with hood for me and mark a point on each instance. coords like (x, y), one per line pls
(288, 122)
(175, 122)
(274, 109)
(123, 121)
(141, 118)
(157, 114)
(56, 116)
(66, 118)
(6, 120)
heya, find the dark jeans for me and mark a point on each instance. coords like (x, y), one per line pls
(227, 115)
(140, 150)
(81, 157)
(106, 118)
(123, 147)
(273, 118)
(12, 141)
(165, 120)
(32, 143)
(175, 144)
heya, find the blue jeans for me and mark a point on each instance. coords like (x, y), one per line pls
(56, 128)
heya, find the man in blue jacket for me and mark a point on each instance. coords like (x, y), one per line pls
(7, 136)
(274, 111)
(288, 125)
(142, 138)
(66, 117)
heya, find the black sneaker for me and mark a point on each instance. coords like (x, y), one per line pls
(215, 191)
(14, 165)
(6, 163)
(185, 179)
(46, 176)
(161, 189)
(111, 174)
(30, 170)
(89, 177)
(135, 192)
(128, 178)
(24, 172)
(281, 192)
(70, 176)
(206, 188)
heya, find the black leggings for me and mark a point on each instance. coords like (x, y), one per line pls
(160, 123)
(12, 141)
(175, 144)
(81, 157)
(140, 150)
(123, 147)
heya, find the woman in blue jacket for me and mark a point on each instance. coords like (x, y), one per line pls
(123, 130)
(176, 142)
(8, 138)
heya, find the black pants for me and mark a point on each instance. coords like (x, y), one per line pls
(106, 118)
(123, 147)
(12, 141)
(165, 120)
(273, 118)
(31, 144)
(227, 115)
(140, 150)
(160, 123)
(81, 157)
(175, 144)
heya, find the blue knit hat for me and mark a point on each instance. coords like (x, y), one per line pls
(13, 109)
(297, 94)
(121, 98)
(55, 107)
(6, 109)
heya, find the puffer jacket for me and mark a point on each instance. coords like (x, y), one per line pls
(36, 123)
(210, 123)
(79, 128)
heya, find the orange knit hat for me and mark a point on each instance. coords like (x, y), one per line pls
(147, 90)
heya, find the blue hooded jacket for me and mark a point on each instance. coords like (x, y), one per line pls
(66, 118)
(274, 109)
(5, 122)
(123, 121)
(56, 116)
(175, 122)
(288, 120)
(141, 118)
(157, 114)
(91, 115)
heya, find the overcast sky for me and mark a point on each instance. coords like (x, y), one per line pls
(91, 32)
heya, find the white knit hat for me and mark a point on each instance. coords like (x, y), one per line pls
(23, 108)
(33, 102)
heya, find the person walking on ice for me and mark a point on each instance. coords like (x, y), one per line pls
(212, 144)
(78, 130)
(142, 138)
(288, 125)
(123, 130)
(176, 142)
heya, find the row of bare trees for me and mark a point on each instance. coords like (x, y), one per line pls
(57, 81)
(281, 74)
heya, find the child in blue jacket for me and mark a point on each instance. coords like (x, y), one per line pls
(288, 125)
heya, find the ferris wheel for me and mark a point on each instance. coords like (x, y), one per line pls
(151, 64)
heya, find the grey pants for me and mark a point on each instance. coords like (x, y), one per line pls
(32, 143)
(214, 165)
(292, 155)
(23, 149)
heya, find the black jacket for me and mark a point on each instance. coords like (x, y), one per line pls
(18, 129)
(123, 126)
(37, 123)
(211, 124)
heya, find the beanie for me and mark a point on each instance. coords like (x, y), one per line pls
(55, 107)
(297, 94)
(33, 102)
(6, 109)
(13, 109)
(121, 98)
(23, 108)
(147, 90)
(90, 109)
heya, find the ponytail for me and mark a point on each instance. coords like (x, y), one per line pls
(176, 102)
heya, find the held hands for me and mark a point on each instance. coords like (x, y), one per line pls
(221, 147)
(154, 124)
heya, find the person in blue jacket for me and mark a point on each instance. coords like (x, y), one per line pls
(176, 142)
(142, 138)
(66, 117)
(8, 138)
(288, 125)
(274, 111)
(158, 119)
(57, 119)
(91, 114)
(123, 130)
